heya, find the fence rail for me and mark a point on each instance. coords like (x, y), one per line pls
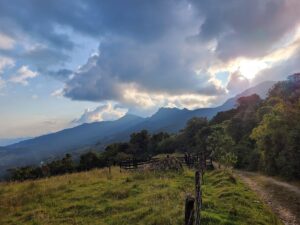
(188, 160)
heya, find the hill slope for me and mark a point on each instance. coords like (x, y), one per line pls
(97, 197)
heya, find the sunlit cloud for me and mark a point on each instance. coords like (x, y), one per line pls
(249, 68)
(23, 74)
(151, 101)
(108, 111)
(58, 93)
(6, 42)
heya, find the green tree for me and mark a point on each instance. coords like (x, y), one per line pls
(221, 146)
(139, 144)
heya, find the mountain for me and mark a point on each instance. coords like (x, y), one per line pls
(261, 89)
(73, 140)
(10, 141)
(98, 134)
(77, 137)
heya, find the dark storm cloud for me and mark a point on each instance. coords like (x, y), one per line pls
(155, 68)
(246, 28)
(144, 20)
(145, 45)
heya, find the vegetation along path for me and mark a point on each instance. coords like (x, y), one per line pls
(282, 197)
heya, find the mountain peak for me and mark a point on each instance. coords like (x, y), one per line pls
(167, 109)
(261, 89)
(129, 116)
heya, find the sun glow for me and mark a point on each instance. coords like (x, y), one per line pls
(249, 68)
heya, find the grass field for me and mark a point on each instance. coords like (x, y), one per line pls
(97, 197)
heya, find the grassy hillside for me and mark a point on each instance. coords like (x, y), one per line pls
(97, 197)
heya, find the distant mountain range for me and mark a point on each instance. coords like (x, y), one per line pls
(98, 134)
(10, 141)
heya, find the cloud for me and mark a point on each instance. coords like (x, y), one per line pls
(23, 74)
(6, 42)
(142, 20)
(154, 68)
(61, 74)
(2, 83)
(141, 102)
(5, 62)
(42, 56)
(281, 70)
(153, 53)
(237, 83)
(108, 111)
(57, 93)
(246, 28)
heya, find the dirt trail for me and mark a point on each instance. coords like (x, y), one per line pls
(283, 198)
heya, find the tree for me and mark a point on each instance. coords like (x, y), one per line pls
(139, 144)
(221, 146)
(191, 135)
(277, 138)
(89, 160)
(155, 141)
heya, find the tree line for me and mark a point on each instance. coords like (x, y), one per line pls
(258, 134)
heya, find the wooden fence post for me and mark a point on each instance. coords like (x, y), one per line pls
(189, 210)
(198, 197)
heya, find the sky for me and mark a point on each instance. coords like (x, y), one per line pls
(64, 63)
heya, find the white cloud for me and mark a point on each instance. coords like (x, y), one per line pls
(142, 102)
(237, 83)
(23, 74)
(57, 93)
(5, 62)
(6, 42)
(2, 83)
(104, 112)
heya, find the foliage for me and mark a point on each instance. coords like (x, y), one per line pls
(221, 144)
(277, 139)
(65, 165)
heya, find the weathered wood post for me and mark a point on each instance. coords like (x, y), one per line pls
(135, 163)
(203, 167)
(198, 197)
(189, 210)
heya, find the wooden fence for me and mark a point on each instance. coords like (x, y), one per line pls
(191, 161)
(135, 164)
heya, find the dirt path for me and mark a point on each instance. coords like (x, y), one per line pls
(283, 198)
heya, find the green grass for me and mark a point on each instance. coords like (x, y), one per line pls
(96, 197)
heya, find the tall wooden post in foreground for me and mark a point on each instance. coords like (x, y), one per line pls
(198, 197)
(189, 210)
